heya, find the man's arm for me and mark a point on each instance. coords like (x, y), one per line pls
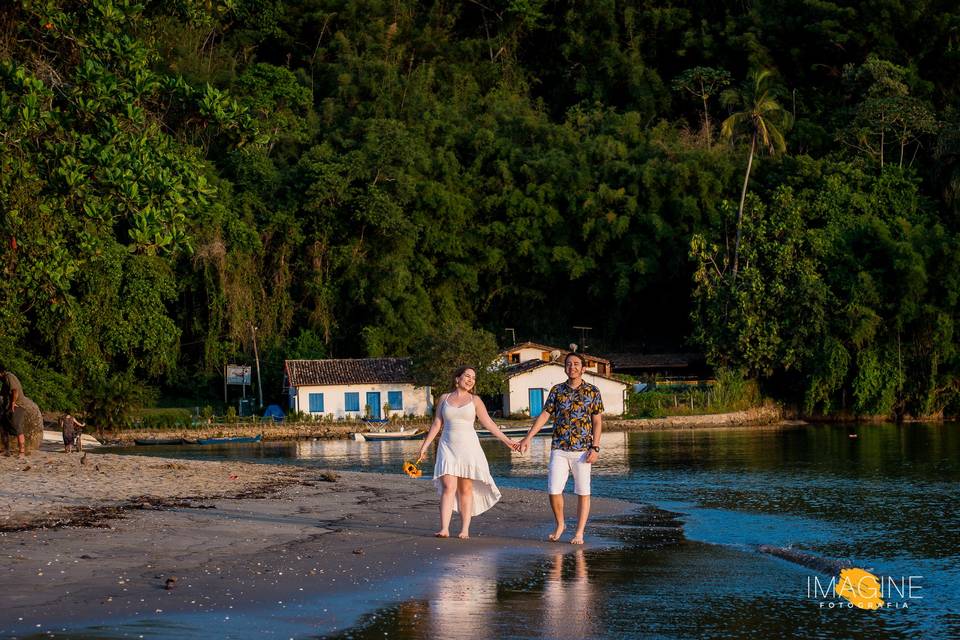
(597, 420)
(537, 425)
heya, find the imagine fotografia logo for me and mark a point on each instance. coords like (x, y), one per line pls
(863, 590)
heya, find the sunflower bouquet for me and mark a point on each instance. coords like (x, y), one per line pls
(412, 469)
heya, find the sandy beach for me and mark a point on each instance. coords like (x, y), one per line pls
(100, 543)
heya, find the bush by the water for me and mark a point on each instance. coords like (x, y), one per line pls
(730, 391)
(158, 419)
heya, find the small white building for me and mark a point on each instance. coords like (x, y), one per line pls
(526, 351)
(529, 384)
(356, 388)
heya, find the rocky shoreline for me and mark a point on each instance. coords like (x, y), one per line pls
(758, 416)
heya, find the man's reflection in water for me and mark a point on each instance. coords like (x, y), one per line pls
(569, 605)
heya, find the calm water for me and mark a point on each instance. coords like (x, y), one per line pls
(886, 500)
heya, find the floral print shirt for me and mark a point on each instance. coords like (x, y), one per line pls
(572, 411)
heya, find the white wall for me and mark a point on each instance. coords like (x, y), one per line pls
(530, 354)
(416, 400)
(517, 399)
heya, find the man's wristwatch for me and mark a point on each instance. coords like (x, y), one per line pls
(597, 449)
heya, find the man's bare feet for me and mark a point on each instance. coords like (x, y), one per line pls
(577, 538)
(442, 534)
(555, 536)
(464, 535)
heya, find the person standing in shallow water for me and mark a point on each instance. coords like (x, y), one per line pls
(461, 473)
(577, 411)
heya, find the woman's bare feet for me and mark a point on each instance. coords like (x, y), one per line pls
(555, 536)
(442, 534)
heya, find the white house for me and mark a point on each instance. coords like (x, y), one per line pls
(355, 388)
(526, 351)
(529, 383)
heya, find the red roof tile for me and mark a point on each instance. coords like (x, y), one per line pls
(348, 371)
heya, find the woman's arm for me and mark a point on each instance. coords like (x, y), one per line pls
(434, 429)
(490, 425)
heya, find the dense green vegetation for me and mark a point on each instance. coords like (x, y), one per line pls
(777, 183)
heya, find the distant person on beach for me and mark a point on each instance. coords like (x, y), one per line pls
(460, 460)
(72, 432)
(12, 412)
(577, 411)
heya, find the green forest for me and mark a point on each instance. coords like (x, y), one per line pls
(775, 184)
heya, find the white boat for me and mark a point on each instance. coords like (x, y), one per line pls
(517, 432)
(57, 437)
(375, 436)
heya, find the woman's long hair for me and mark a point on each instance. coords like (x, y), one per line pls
(459, 372)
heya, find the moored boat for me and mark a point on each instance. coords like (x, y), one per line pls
(516, 432)
(56, 437)
(237, 440)
(375, 436)
(143, 442)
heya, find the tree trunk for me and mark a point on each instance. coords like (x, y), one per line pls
(706, 124)
(743, 197)
(903, 144)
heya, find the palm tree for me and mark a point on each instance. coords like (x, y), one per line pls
(761, 118)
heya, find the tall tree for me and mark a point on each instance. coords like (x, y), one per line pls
(703, 83)
(761, 118)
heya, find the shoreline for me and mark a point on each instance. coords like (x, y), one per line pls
(757, 416)
(239, 547)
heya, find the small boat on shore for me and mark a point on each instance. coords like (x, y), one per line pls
(237, 440)
(516, 432)
(378, 436)
(145, 442)
(56, 437)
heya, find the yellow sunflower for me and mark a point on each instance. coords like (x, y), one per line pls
(412, 469)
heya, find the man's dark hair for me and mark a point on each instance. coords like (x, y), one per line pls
(583, 361)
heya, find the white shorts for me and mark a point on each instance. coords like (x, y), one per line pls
(562, 464)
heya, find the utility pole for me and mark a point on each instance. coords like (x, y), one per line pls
(256, 356)
(583, 336)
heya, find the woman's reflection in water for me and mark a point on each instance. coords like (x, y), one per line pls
(464, 601)
(568, 598)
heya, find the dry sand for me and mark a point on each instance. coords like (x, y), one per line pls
(239, 538)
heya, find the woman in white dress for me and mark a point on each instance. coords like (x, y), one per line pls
(460, 460)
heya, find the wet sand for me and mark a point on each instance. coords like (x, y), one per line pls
(232, 537)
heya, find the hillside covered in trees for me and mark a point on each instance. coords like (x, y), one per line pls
(774, 183)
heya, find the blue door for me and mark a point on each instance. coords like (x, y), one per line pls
(536, 402)
(373, 399)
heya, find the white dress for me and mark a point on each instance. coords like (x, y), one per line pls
(459, 454)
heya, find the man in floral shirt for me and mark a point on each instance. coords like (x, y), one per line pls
(577, 411)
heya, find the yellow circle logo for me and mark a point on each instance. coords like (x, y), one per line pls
(860, 587)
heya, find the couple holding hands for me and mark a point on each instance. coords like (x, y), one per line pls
(462, 475)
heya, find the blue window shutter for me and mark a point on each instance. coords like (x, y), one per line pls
(395, 398)
(316, 403)
(351, 401)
